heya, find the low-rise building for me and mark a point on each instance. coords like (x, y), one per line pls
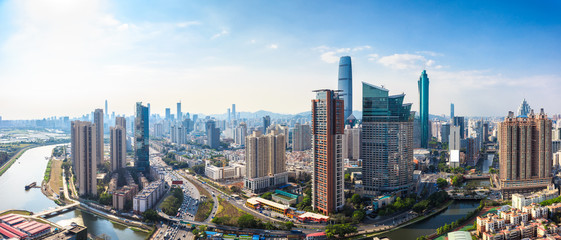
(148, 197)
(519, 200)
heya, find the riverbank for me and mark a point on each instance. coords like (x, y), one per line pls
(366, 235)
(14, 158)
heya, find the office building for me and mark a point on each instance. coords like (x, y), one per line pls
(327, 140)
(234, 171)
(265, 161)
(234, 113)
(424, 108)
(98, 121)
(212, 134)
(301, 137)
(106, 110)
(459, 121)
(266, 123)
(229, 118)
(346, 84)
(525, 156)
(118, 144)
(444, 133)
(454, 138)
(240, 134)
(524, 108)
(451, 112)
(179, 113)
(352, 143)
(142, 139)
(168, 114)
(84, 152)
(387, 142)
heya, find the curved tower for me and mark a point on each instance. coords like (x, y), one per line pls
(346, 84)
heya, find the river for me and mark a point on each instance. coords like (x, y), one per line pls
(30, 167)
(457, 210)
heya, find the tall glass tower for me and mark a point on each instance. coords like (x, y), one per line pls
(424, 108)
(141, 139)
(346, 84)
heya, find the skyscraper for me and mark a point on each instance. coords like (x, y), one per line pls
(301, 137)
(240, 134)
(346, 84)
(387, 142)
(141, 139)
(212, 134)
(451, 112)
(327, 137)
(459, 121)
(168, 114)
(98, 121)
(454, 138)
(179, 114)
(351, 143)
(106, 110)
(118, 144)
(234, 116)
(229, 118)
(84, 150)
(525, 156)
(266, 123)
(524, 108)
(424, 108)
(265, 161)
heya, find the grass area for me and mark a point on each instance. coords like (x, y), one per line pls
(205, 207)
(55, 181)
(227, 213)
(20, 212)
(47, 177)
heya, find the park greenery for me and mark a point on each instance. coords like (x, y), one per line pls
(48, 171)
(150, 215)
(169, 159)
(551, 201)
(339, 230)
(441, 183)
(398, 205)
(172, 203)
(434, 200)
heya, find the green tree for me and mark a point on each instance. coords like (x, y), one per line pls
(347, 177)
(288, 225)
(267, 195)
(442, 183)
(106, 199)
(356, 199)
(150, 215)
(339, 230)
(358, 216)
(246, 221)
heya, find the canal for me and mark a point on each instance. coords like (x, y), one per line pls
(30, 167)
(457, 210)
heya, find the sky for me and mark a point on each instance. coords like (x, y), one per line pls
(65, 57)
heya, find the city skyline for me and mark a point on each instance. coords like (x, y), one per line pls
(500, 53)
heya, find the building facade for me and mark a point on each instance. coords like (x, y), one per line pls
(265, 161)
(141, 139)
(328, 121)
(346, 84)
(212, 134)
(525, 156)
(118, 148)
(387, 142)
(301, 137)
(98, 121)
(83, 137)
(424, 108)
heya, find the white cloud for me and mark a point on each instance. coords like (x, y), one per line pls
(430, 53)
(329, 57)
(187, 24)
(373, 56)
(405, 61)
(360, 48)
(224, 32)
(252, 41)
(273, 46)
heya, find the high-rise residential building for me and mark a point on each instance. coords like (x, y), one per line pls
(118, 142)
(265, 161)
(424, 108)
(327, 140)
(351, 143)
(459, 121)
(454, 138)
(98, 121)
(240, 134)
(83, 136)
(179, 114)
(524, 108)
(168, 113)
(451, 112)
(142, 139)
(387, 142)
(212, 134)
(266, 122)
(346, 84)
(525, 156)
(301, 137)
(178, 134)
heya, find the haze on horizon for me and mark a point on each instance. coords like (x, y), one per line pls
(64, 58)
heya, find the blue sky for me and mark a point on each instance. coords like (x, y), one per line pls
(66, 57)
